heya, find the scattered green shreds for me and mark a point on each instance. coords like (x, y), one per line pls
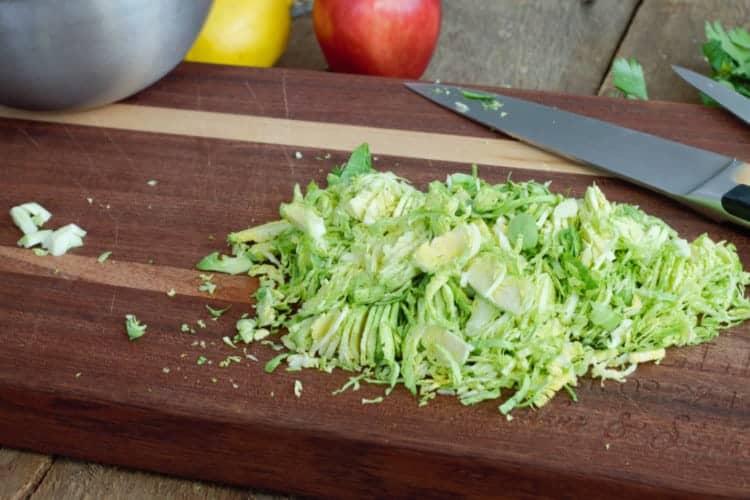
(202, 360)
(489, 101)
(207, 285)
(134, 328)
(216, 313)
(103, 257)
(373, 401)
(505, 292)
(297, 388)
(229, 360)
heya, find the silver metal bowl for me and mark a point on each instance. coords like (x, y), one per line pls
(63, 54)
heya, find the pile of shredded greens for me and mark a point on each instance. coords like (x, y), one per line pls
(471, 288)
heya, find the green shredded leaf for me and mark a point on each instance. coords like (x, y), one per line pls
(479, 96)
(134, 328)
(297, 388)
(217, 313)
(246, 329)
(505, 292)
(523, 227)
(202, 360)
(628, 78)
(229, 360)
(103, 257)
(275, 362)
(208, 286)
(223, 264)
(359, 163)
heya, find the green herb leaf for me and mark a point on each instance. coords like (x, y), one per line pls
(103, 257)
(728, 54)
(359, 163)
(628, 78)
(134, 328)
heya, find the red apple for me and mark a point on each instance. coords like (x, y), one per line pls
(378, 37)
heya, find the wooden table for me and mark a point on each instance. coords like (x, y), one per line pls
(562, 46)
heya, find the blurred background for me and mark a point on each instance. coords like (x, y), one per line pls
(557, 45)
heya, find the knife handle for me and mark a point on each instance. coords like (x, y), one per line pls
(725, 196)
(736, 201)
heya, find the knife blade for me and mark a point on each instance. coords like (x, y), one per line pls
(730, 100)
(711, 183)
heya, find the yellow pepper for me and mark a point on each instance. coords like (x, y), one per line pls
(244, 33)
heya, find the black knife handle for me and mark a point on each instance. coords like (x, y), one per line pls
(736, 201)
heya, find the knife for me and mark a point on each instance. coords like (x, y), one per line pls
(710, 183)
(730, 100)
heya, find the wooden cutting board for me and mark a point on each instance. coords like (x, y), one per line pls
(226, 146)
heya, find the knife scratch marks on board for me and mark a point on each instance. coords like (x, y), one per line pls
(210, 178)
(198, 95)
(28, 136)
(83, 151)
(288, 159)
(117, 146)
(112, 302)
(288, 127)
(705, 355)
(283, 90)
(255, 97)
(117, 231)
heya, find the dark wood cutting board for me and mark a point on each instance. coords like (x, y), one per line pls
(223, 145)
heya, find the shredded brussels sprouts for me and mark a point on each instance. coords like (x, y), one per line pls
(484, 291)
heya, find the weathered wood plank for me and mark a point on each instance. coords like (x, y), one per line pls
(21, 472)
(73, 479)
(536, 44)
(303, 51)
(666, 32)
(509, 42)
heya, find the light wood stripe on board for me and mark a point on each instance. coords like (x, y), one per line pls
(310, 134)
(148, 277)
